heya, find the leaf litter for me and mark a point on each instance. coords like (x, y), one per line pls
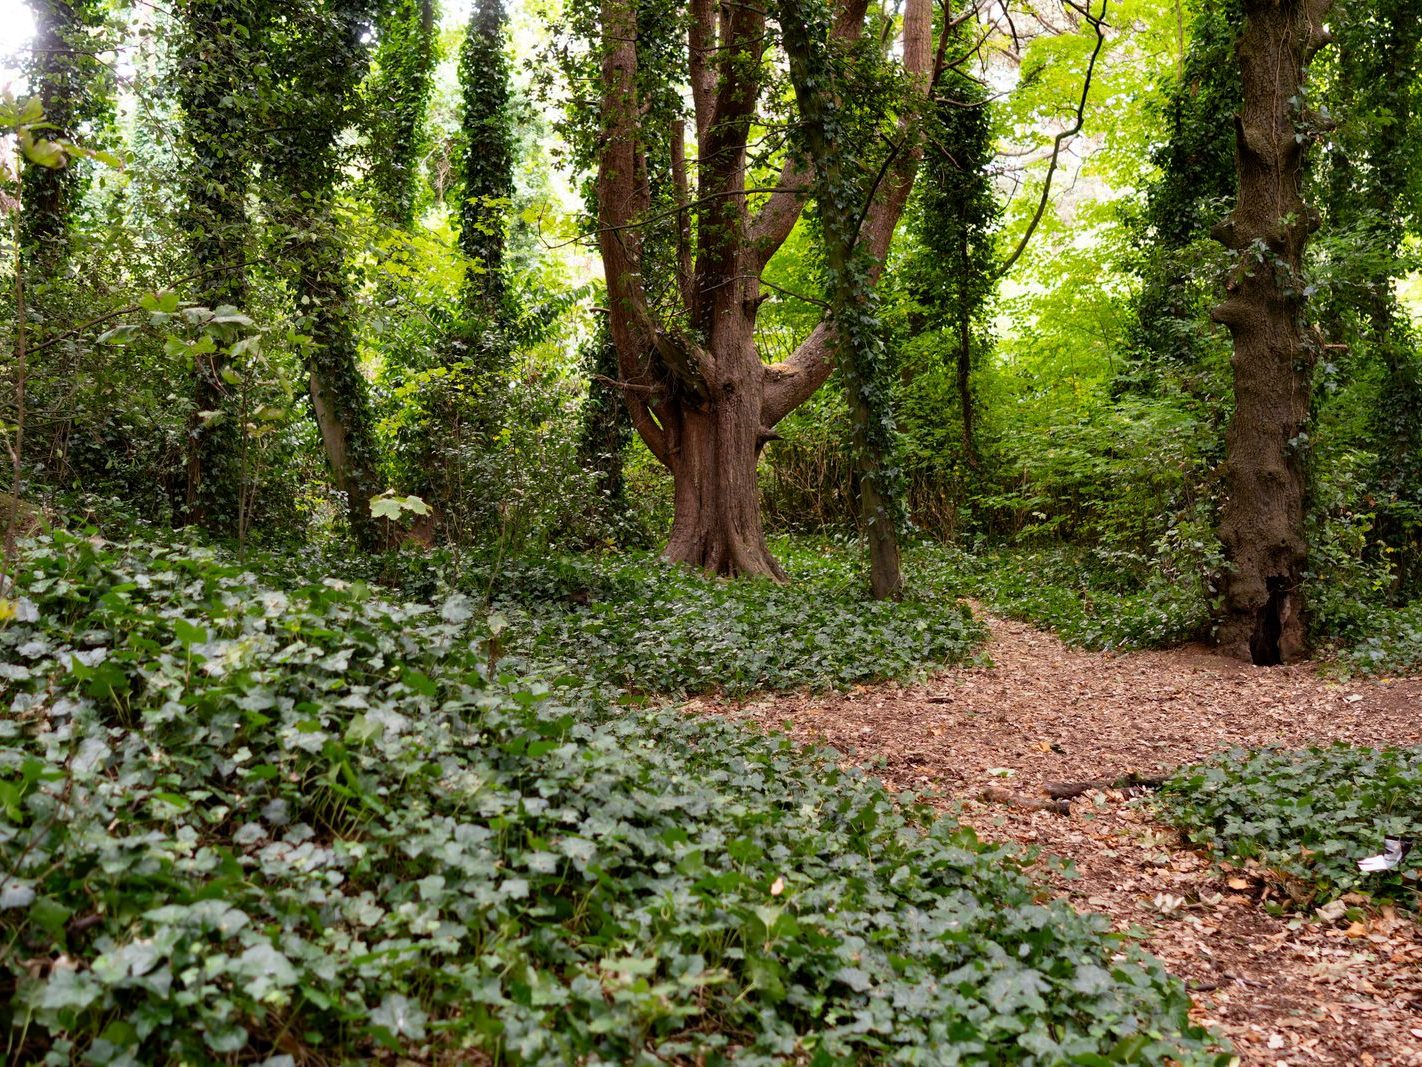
(1287, 990)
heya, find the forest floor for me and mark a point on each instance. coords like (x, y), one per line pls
(1286, 990)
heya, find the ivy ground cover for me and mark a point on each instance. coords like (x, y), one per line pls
(241, 822)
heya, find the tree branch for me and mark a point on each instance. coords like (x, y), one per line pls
(1096, 22)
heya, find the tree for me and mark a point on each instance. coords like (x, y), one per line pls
(697, 392)
(1262, 519)
(322, 55)
(74, 91)
(958, 212)
(487, 187)
(1170, 330)
(66, 77)
(1374, 198)
(397, 99)
(858, 335)
(218, 92)
(487, 160)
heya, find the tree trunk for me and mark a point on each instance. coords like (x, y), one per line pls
(717, 525)
(61, 74)
(338, 389)
(1262, 521)
(216, 135)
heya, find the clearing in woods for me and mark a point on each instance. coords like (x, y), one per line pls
(1286, 991)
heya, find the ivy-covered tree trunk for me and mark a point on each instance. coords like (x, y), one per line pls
(859, 343)
(64, 74)
(217, 95)
(1262, 521)
(397, 105)
(465, 413)
(75, 93)
(958, 213)
(337, 387)
(322, 56)
(487, 162)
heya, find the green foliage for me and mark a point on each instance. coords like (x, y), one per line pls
(636, 622)
(1372, 197)
(72, 87)
(956, 269)
(604, 432)
(305, 821)
(396, 104)
(320, 54)
(486, 172)
(1309, 815)
(844, 185)
(1386, 641)
(1100, 600)
(218, 45)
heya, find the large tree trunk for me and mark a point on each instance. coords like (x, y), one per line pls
(717, 523)
(1262, 521)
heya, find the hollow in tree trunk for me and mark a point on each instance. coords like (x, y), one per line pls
(1262, 518)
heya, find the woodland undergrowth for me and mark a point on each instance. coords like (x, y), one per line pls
(245, 816)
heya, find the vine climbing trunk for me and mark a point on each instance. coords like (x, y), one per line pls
(319, 60)
(61, 73)
(213, 91)
(1262, 519)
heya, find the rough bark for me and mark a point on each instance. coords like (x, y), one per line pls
(1262, 519)
(699, 397)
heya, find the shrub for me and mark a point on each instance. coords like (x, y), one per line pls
(1310, 815)
(1099, 600)
(1393, 644)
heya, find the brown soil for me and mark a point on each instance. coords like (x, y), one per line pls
(1287, 991)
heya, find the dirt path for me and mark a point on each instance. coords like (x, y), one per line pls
(1286, 993)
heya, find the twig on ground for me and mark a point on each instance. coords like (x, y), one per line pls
(1001, 796)
(1067, 790)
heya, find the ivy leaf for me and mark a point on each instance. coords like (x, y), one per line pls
(401, 1017)
(119, 335)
